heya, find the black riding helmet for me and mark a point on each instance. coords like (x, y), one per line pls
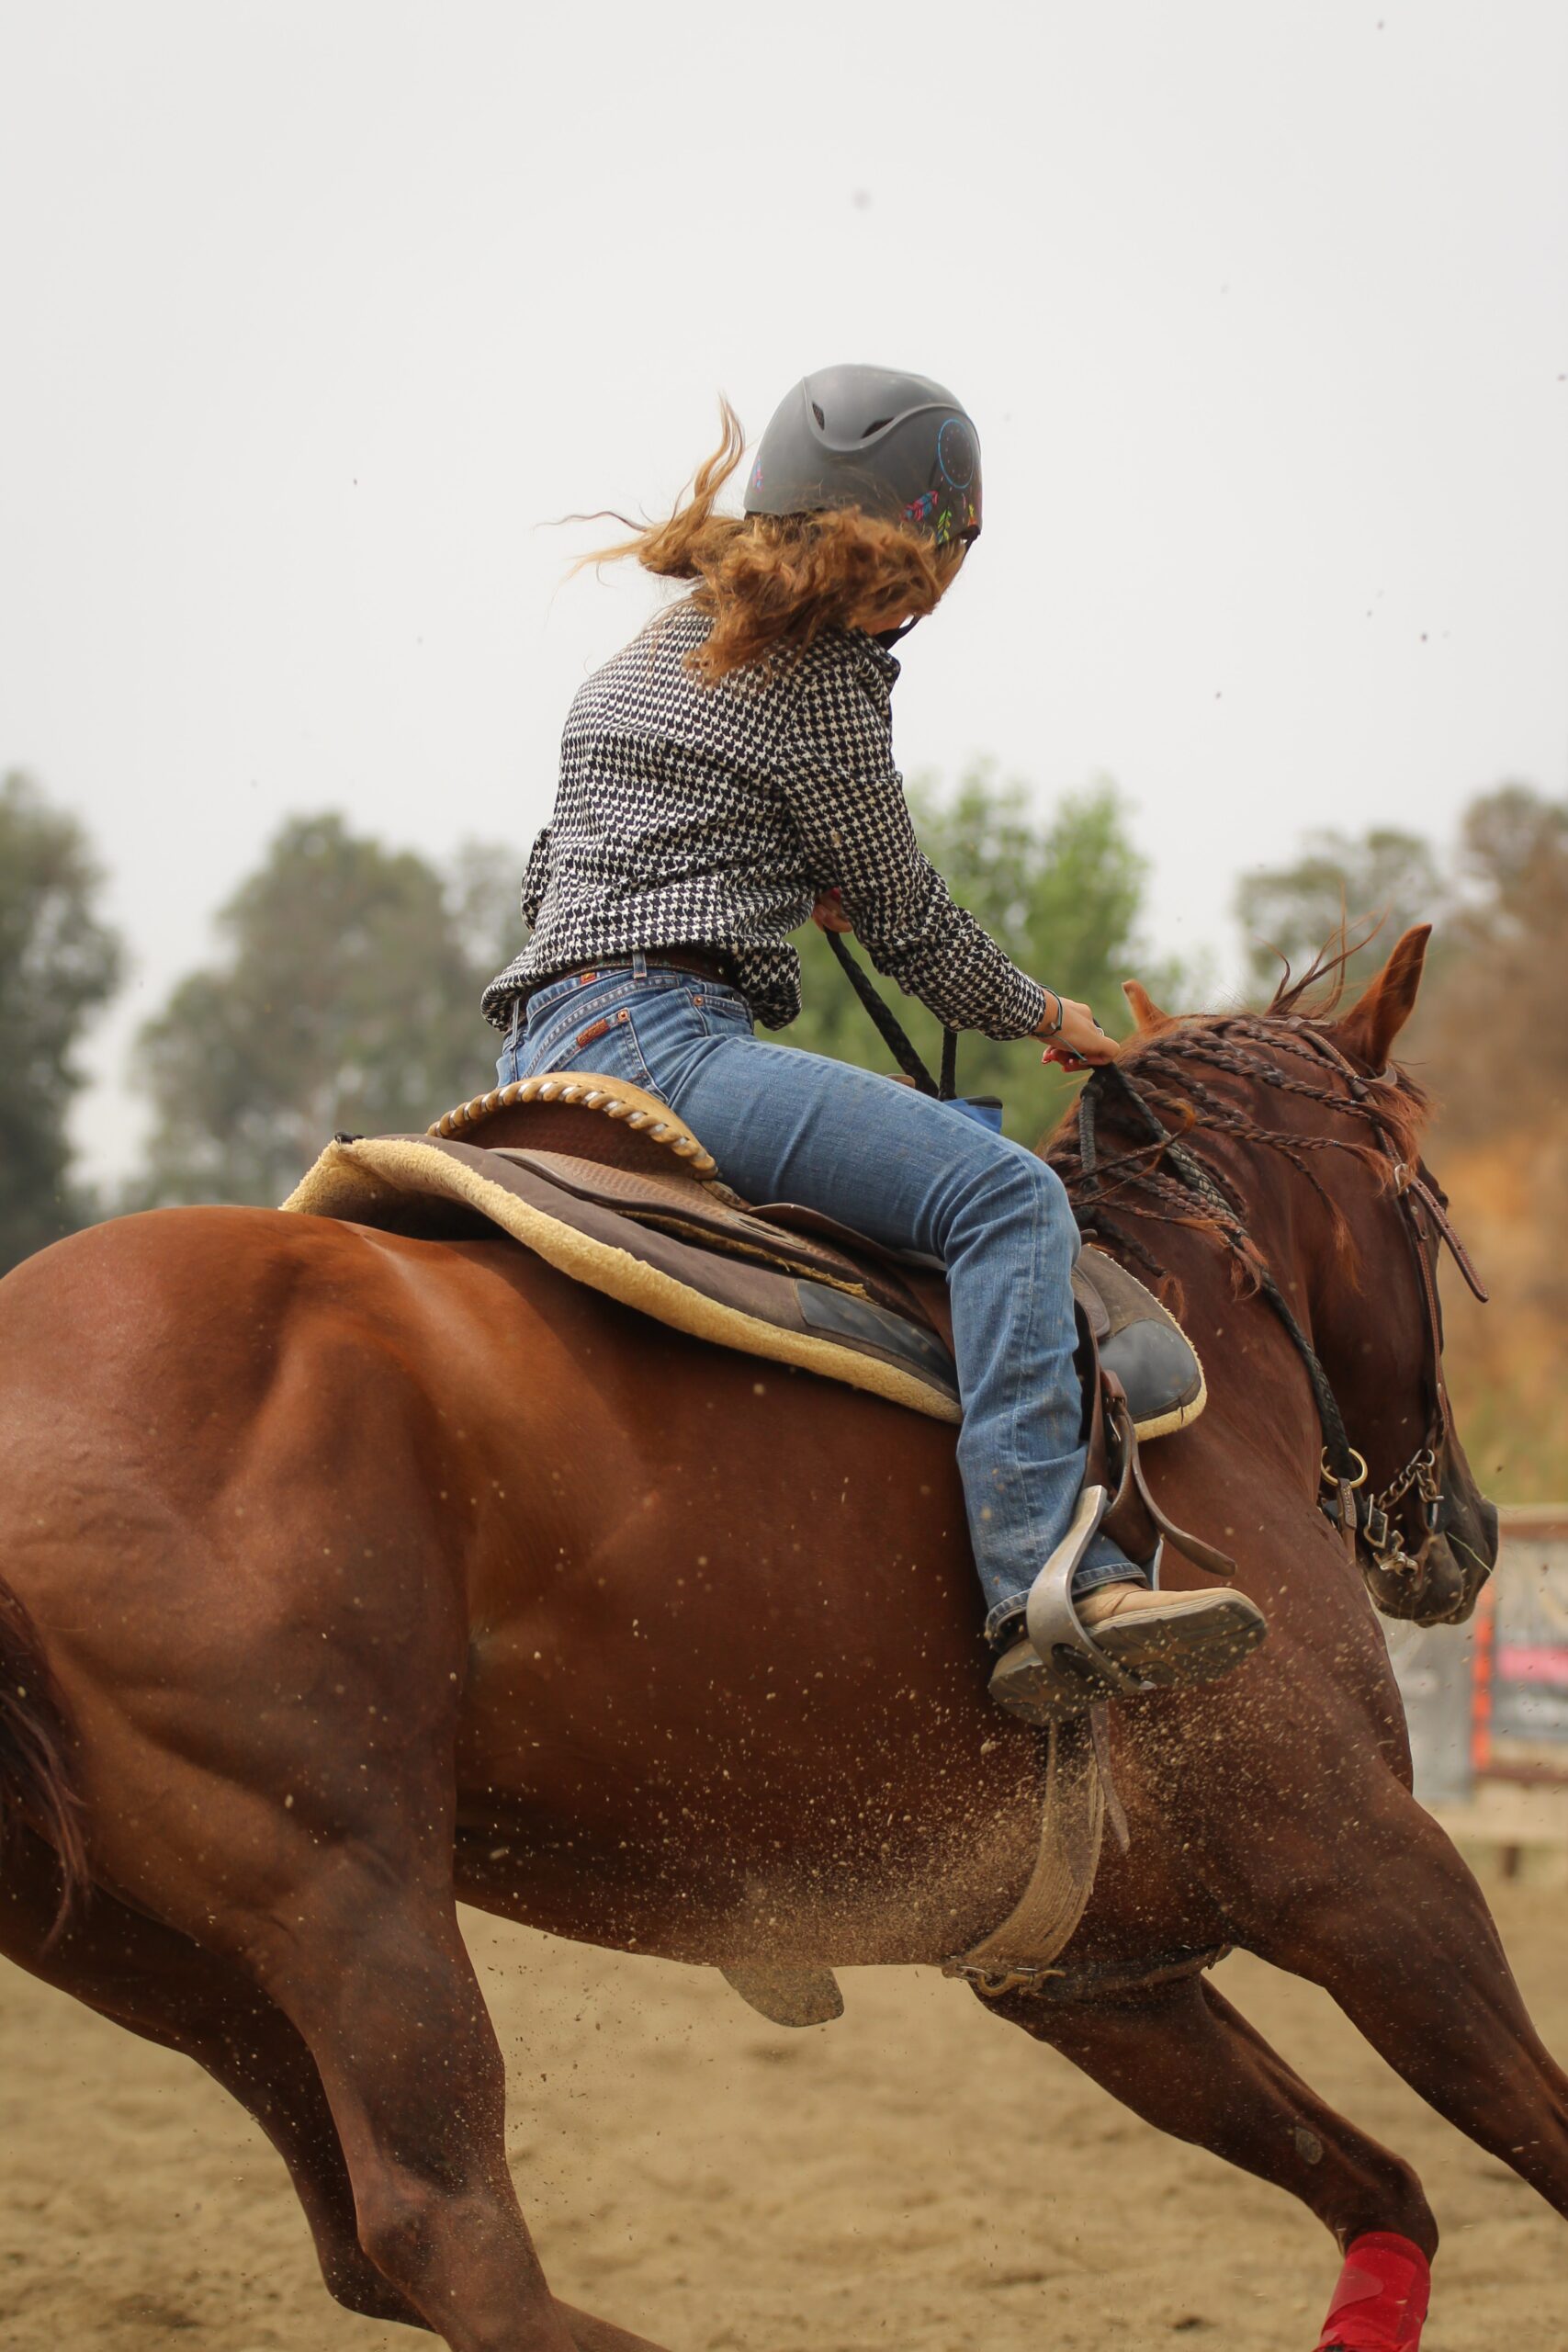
(896, 445)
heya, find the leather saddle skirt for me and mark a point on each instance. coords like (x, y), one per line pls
(603, 1181)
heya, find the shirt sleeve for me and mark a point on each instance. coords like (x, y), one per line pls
(846, 799)
(536, 877)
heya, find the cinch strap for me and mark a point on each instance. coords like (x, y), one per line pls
(1380, 2302)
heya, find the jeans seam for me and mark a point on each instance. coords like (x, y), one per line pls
(638, 1057)
(1008, 1453)
(1026, 1345)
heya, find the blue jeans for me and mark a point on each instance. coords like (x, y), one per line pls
(912, 1173)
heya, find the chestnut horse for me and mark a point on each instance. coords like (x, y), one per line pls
(349, 1575)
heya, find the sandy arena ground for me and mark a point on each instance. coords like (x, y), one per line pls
(916, 2175)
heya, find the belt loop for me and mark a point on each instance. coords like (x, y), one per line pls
(518, 1003)
(639, 965)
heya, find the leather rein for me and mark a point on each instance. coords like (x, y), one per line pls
(1365, 1520)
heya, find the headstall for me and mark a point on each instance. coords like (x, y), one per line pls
(1365, 1520)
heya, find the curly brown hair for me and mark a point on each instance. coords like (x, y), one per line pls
(773, 582)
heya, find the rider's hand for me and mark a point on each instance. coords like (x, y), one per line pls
(1079, 1042)
(828, 914)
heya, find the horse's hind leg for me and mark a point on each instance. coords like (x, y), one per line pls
(1183, 2058)
(155, 1981)
(381, 1985)
(158, 1984)
(361, 1949)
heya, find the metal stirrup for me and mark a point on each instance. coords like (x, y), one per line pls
(1052, 1620)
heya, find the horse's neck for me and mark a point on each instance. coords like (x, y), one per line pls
(1219, 1298)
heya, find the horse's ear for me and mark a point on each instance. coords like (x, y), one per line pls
(1145, 1012)
(1368, 1031)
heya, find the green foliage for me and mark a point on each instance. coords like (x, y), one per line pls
(58, 964)
(1490, 1039)
(1500, 990)
(347, 996)
(1291, 912)
(1063, 898)
(1514, 843)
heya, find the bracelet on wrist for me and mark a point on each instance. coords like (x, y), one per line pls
(1055, 1028)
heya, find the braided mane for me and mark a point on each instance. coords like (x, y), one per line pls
(1211, 1074)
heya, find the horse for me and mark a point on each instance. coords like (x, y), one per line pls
(347, 1576)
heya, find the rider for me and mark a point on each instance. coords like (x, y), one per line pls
(727, 776)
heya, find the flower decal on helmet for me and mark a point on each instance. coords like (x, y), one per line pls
(957, 453)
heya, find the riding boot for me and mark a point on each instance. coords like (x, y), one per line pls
(1118, 1640)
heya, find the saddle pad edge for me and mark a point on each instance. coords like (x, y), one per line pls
(1181, 1417)
(422, 1167)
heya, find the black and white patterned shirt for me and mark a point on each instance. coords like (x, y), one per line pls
(712, 817)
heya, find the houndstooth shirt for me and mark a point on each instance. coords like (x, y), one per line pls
(712, 817)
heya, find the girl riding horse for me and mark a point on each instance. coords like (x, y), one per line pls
(727, 776)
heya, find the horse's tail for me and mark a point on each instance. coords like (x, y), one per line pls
(35, 1776)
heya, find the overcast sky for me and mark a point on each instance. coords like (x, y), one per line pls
(314, 314)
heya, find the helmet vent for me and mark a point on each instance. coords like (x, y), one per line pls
(821, 420)
(880, 427)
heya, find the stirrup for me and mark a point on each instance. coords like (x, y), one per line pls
(1068, 1670)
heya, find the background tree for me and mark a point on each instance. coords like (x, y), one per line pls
(59, 963)
(1063, 898)
(1291, 910)
(1492, 1038)
(1490, 1041)
(346, 996)
(1499, 1015)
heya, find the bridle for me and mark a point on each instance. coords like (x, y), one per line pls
(1372, 1518)
(1370, 1523)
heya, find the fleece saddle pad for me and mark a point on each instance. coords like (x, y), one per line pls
(605, 1183)
(653, 1243)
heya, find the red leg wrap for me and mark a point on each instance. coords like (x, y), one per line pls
(1380, 2302)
